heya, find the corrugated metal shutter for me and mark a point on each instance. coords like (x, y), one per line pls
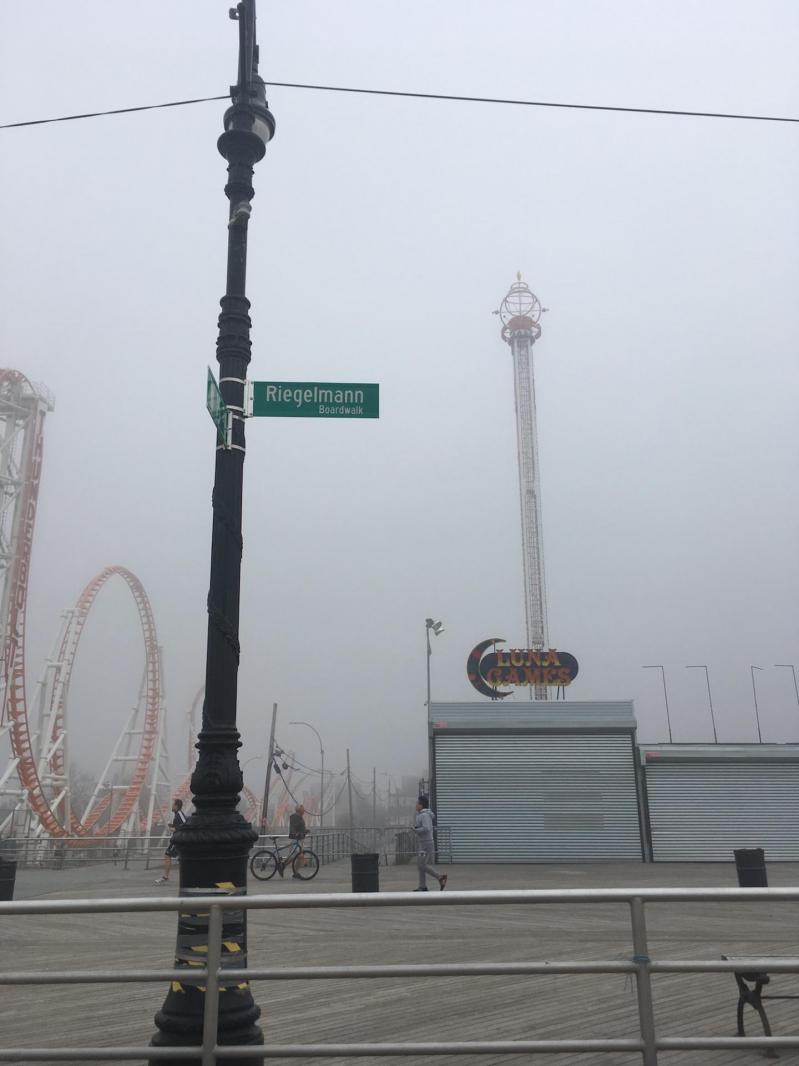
(538, 798)
(701, 811)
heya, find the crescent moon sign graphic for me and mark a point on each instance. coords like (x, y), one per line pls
(474, 672)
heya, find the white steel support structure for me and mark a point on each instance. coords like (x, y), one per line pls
(520, 312)
(23, 408)
(160, 785)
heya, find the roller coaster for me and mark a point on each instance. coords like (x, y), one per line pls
(133, 793)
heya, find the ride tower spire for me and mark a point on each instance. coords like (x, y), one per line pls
(520, 312)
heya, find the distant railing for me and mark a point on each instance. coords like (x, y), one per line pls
(395, 845)
(59, 853)
(219, 971)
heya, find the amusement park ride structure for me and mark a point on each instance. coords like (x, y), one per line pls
(520, 312)
(133, 792)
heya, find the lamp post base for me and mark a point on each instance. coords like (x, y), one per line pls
(214, 849)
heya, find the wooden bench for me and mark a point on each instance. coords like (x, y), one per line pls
(750, 990)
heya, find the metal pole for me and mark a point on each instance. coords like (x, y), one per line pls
(709, 698)
(374, 808)
(643, 981)
(322, 771)
(267, 779)
(215, 842)
(349, 789)
(792, 668)
(754, 693)
(429, 653)
(322, 788)
(665, 695)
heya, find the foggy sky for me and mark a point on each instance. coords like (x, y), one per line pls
(384, 232)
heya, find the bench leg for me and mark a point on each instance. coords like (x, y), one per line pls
(752, 997)
(757, 1003)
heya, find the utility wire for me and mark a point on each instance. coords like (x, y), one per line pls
(416, 96)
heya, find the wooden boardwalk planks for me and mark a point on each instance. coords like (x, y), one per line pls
(415, 1009)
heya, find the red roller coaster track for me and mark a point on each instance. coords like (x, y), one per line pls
(16, 706)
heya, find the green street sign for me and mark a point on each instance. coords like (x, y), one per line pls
(217, 409)
(312, 399)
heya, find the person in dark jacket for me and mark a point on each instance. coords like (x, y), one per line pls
(178, 819)
(298, 831)
(425, 846)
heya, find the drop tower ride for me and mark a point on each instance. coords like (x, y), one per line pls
(520, 312)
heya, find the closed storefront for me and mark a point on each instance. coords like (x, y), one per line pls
(537, 782)
(704, 801)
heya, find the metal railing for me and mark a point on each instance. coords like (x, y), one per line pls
(640, 965)
(60, 853)
(395, 845)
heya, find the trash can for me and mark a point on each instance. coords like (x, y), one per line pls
(365, 872)
(8, 869)
(750, 866)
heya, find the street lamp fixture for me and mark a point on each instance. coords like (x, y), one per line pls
(437, 628)
(322, 771)
(754, 693)
(709, 698)
(665, 695)
(792, 668)
(215, 842)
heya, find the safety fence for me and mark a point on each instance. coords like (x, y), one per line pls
(219, 970)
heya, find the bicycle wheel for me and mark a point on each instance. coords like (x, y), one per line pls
(310, 868)
(263, 864)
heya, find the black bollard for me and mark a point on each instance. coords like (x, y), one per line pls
(750, 866)
(365, 872)
(8, 869)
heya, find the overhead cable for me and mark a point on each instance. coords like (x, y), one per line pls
(505, 101)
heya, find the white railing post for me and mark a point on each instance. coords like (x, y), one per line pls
(643, 982)
(211, 1005)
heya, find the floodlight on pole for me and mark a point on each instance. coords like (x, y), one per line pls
(430, 625)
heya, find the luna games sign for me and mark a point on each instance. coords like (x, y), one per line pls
(517, 666)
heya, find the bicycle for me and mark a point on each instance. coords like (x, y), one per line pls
(266, 862)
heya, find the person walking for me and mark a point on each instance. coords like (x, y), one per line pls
(178, 819)
(298, 832)
(425, 846)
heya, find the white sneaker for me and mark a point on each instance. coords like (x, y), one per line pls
(160, 880)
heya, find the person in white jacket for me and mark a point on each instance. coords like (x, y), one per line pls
(425, 846)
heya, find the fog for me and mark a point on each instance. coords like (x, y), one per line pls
(384, 233)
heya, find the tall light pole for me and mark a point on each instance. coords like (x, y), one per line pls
(754, 693)
(709, 698)
(322, 767)
(665, 695)
(214, 843)
(792, 668)
(270, 760)
(437, 628)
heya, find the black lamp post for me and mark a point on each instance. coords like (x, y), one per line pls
(215, 842)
